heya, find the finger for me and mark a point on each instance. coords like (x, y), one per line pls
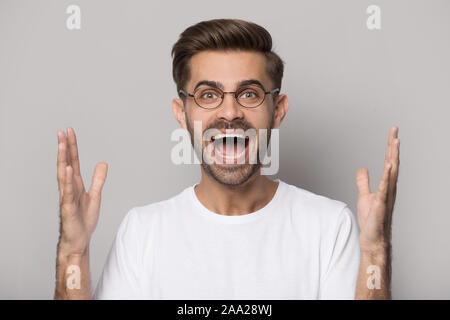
(395, 161)
(73, 150)
(74, 159)
(98, 180)
(67, 148)
(61, 163)
(362, 181)
(382, 191)
(68, 197)
(395, 157)
(392, 135)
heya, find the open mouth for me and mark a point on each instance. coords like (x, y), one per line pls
(230, 148)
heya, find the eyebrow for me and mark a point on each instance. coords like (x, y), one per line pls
(218, 85)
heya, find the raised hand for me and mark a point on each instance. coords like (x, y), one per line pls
(79, 210)
(375, 209)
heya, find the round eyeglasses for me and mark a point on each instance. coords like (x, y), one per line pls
(250, 96)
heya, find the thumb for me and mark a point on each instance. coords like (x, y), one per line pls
(98, 180)
(362, 181)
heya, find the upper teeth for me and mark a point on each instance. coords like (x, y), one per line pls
(228, 135)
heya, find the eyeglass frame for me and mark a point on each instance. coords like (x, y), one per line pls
(192, 95)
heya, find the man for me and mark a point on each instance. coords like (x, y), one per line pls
(236, 234)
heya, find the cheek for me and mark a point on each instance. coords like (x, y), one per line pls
(259, 119)
(193, 114)
(199, 120)
(203, 117)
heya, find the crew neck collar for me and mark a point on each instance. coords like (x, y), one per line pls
(236, 219)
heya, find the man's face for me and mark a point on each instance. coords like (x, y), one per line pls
(228, 70)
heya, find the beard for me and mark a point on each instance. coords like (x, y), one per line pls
(235, 174)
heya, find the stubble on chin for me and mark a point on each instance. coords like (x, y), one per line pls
(231, 175)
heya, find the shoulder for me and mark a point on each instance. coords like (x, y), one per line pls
(152, 212)
(309, 208)
(312, 202)
(321, 220)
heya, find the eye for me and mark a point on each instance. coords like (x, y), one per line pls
(248, 94)
(209, 95)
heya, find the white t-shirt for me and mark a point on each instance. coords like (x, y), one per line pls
(299, 246)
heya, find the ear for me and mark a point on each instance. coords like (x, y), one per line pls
(179, 112)
(281, 108)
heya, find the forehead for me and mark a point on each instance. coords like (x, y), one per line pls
(228, 68)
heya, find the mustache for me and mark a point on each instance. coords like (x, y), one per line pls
(236, 124)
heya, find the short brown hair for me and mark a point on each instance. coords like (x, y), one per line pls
(223, 34)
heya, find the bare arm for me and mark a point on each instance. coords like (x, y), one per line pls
(375, 218)
(79, 211)
(72, 276)
(374, 276)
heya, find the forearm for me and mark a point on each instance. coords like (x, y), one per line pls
(374, 276)
(72, 276)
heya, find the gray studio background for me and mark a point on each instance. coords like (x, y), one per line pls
(112, 82)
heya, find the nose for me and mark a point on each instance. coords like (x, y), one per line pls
(230, 108)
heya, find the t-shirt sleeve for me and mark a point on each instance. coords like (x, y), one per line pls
(120, 276)
(339, 281)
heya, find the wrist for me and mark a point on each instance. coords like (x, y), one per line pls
(66, 251)
(382, 244)
(376, 254)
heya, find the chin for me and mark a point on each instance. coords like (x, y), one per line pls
(231, 174)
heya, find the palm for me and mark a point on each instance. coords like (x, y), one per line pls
(79, 209)
(372, 218)
(375, 209)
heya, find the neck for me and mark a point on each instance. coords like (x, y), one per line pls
(246, 198)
